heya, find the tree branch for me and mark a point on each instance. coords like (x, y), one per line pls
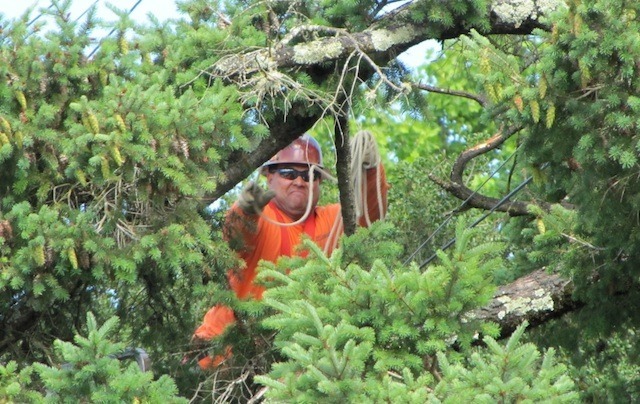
(536, 297)
(391, 34)
(477, 98)
(471, 198)
(241, 164)
(343, 162)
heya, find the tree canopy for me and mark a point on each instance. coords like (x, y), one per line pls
(515, 144)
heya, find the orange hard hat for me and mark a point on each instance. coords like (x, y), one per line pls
(303, 150)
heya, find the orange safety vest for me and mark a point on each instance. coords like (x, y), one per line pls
(262, 240)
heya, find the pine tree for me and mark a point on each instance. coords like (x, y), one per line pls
(346, 333)
(511, 373)
(103, 164)
(577, 104)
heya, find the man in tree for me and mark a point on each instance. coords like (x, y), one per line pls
(268, 224)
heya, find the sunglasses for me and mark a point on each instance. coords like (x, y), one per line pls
(291, 174)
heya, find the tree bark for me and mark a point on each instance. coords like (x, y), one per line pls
(536, 297)
(390, 35)
(343, 162)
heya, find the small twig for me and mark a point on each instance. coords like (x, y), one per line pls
(477, 98)
(582, 242)
(590, 90)
(258, 395)
(196, 393)
(111, 32)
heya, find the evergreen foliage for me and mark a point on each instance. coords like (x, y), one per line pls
(88, 372)
(103, 169)
(109, 152)
(510, 373)
(603, 359)
(592, 147)
(14, 384)
(343, 329)
(573, 91)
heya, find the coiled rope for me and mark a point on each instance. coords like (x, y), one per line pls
(365, 155)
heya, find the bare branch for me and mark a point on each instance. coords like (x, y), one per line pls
(456, 187)
(343, 156)
(475, 97)
(492, 143)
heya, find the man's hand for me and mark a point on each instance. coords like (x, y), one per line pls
(253, 198)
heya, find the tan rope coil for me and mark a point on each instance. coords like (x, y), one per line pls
(365, 155)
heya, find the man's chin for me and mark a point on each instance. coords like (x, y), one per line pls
(298, 199)
(298, 208)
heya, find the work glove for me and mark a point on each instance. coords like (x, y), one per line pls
(253, 198)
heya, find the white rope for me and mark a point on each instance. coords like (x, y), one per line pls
(365, 155)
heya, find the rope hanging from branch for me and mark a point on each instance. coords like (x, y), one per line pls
(365, 155)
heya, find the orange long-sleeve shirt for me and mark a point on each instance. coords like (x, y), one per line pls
(258, 239)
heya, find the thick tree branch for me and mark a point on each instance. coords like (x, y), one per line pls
(392, 34)
(240, 165)
(492, 143)
(343, 162)
(536, 297)
(455, 186)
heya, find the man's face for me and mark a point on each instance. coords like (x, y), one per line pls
(292, 195)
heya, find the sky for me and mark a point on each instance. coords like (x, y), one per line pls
(161, 9)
